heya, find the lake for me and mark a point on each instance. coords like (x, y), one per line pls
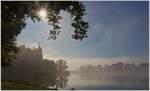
(93, 81)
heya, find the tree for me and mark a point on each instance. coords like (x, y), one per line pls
(62, 73)
(14, 14)
(61, 67)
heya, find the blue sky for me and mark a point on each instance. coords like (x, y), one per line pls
(117, 30)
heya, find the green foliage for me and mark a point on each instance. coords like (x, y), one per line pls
(14, 14)
(7, 85)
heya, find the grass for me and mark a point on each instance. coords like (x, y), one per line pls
(10, 85)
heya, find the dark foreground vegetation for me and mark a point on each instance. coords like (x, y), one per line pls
(14, 85)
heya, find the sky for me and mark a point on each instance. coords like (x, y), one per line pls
(118, 32)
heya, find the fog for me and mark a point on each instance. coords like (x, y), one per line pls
(75, 63)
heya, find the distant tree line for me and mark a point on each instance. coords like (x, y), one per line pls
(119, 67)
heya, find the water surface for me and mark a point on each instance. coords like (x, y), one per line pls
(93, 81)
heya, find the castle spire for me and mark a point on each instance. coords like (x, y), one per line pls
(40, 51)
(39, 45)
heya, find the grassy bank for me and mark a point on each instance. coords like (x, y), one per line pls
(11, 85)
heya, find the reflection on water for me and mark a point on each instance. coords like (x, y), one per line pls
(59, 83)
(91, 81)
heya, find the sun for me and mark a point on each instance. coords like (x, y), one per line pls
(42, 13)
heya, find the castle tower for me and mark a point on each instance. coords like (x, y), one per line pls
(39, 45)
(40, 51)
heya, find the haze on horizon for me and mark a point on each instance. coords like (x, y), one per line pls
(118, 32)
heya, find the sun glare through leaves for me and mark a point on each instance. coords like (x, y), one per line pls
(42, 14)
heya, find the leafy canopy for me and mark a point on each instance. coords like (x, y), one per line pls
(14, 14)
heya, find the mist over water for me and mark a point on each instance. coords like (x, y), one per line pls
(74, 64)
(40, 47)
(98, 81)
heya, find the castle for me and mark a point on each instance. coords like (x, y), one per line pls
(27, 66)
(31, 68)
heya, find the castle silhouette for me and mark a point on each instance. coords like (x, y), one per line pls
(27, 66)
